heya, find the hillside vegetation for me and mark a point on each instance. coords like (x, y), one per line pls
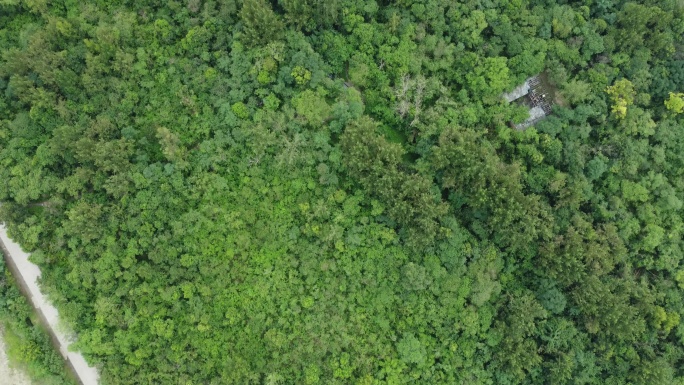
(329, 192)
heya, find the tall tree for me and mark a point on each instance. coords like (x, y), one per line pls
(261, 24)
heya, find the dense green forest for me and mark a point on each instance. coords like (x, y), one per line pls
(330, 191)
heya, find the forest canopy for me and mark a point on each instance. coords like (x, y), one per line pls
(332, 192)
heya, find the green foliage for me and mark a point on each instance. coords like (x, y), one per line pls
(622, 94)
(577, 91)
(301, 75)
(312, 106)
(308, 14)
(240, 110)
(329, 192)
(407, 195)
(261, 24)
(28, 345)
(675, 102)
(411, 350)
(489, 77)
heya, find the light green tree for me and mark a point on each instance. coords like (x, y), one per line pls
(622, 95)
(675, 102)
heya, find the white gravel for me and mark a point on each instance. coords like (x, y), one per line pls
(9, 375)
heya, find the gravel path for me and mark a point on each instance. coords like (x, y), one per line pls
(28, 275)
(8, 375)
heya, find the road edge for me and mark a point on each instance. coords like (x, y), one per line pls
(47, 314)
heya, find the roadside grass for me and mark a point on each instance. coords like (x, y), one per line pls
(28, 344)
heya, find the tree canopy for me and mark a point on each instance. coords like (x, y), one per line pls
(330, 192)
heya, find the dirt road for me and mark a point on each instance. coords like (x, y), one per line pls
(27, 274)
